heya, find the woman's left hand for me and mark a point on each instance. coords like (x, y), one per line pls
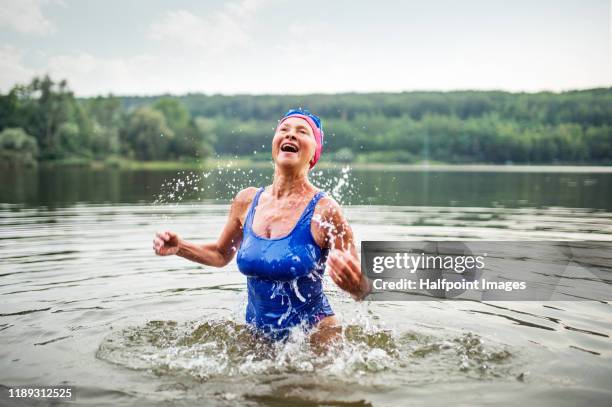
(345, 270)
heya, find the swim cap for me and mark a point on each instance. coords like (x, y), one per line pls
(317, 129)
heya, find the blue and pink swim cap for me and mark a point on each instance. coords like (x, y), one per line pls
(316, 126)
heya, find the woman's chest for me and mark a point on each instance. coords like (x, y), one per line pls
(273, 222)
(280, 259)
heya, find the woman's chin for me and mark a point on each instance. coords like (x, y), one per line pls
(288, 162)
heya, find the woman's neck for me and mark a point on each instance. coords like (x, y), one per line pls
(285, 184)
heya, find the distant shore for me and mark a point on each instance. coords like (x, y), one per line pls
(233, 162)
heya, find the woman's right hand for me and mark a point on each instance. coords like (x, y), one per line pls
(166, 243)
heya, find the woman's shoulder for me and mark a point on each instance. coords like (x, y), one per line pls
(245, 196)
(327, 206)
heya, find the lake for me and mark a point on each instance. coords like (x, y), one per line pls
(85, 302)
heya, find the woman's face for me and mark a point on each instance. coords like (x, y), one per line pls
(293, 144)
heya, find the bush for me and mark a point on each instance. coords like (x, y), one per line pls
(17, 146)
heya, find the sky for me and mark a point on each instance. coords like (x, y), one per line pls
(150, 47)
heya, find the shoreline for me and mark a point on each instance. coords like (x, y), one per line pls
(223, 162)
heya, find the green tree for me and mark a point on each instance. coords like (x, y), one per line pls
(106, 115)
(69, 139)
(460, 126)
(42, 108)
(17, 146)
(146, 136)
(174, 111)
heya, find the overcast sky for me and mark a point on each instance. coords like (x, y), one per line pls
(283, 46)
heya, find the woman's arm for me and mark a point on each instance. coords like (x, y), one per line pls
(343, 261)
(217, 254)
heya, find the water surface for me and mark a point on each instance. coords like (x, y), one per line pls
(84, 301)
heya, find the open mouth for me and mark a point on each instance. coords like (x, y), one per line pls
(289, 148)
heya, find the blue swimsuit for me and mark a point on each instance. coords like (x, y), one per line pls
(284, 275)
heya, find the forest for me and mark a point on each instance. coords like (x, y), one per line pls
(45, 121)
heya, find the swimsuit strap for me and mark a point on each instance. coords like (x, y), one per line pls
(248, 223)
(309, 211)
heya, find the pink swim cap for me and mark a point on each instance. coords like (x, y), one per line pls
(315, 124)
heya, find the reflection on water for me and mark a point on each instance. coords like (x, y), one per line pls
(56, 187)
(84, 301)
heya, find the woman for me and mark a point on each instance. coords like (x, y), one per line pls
(283, 234)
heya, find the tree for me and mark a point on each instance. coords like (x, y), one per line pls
(192, 138)
(458, 126)
(41, 108)
(202, 134)
(106, 116)
(146, 135)
(17, 146)
(175, 113)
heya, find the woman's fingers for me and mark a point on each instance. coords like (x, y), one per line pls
(353, 269)
(166, 236)
(169, 237)
(350, 267)
(335, 278)
(344, 271)
(164, 243)
(354, 263)
(347, 278)
(158, 243)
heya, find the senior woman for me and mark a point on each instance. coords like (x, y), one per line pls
(284, 235)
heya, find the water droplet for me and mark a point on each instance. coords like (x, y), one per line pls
(297, 291)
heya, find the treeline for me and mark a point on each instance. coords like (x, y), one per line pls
(46, 120)
(458, 127)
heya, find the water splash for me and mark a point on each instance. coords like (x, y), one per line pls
(286, 314)
(212, 348)
(195, 186)
(226, 179)
(278, 289)
(294, 285)
(341, 186)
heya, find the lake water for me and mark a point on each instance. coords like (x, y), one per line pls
(84, 301)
